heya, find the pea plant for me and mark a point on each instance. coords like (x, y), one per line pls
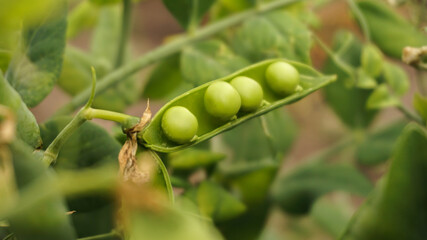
(207, 163)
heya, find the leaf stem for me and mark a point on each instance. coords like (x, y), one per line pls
(168, 49)
(125, 32)
(102, 236)
(410, 115)
(165, 176)
(121, 118)
(362, 20)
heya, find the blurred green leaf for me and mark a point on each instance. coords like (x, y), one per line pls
(420, 104)
(332, 215)
(372, 60)
(296, 192)
(209, 60)
(382, 98)
(192, 158)
(270, 136)
(47, 219)
(35, 69)
(377, 148)
(216, 203)
(165, 80)
(83, 16)
(277, 34)
(347, 102)
(390, 32)
(396, 78)
(105, 2)
(27, 128)
(188, 12)
(364, 80)
(397, 209)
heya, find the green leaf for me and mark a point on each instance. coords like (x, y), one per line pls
(82, 17)
(188, 12)
(35, 69)
(261, 138)
(420, 104)
(189, 159)
(331, 214)
(364, 80)
(382, 98)
(296, 192)
(396, 78)
(104, 2)
(372, 60)
(377, 148)
(208, 126)
(47, 219)
(89, 147)
(216, 203)
(277, 34)
(347, 102)
(26, 125)
(166, 81)
(209, 60)
(397, 209)
(390, 32)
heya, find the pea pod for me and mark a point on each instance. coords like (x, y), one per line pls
(208, 126)
(27, 128)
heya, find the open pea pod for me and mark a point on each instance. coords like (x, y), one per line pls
(208, 126)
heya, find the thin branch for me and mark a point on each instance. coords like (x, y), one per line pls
(362, 20)
(169, 49)
(125, 32)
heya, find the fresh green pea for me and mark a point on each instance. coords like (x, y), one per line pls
(222, 100)
(200, 102)
(179, 124)
(250, 93)
(282, 78)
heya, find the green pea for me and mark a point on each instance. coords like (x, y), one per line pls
(222, 100)
(179, 124)
(250, 92)
(282, 78)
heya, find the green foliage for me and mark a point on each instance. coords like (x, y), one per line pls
(89, 147)
(396, 78)
(191, 158)
(377, 147)
(372, 60)
(396, 209)
(209, 60)
(274, 35)
(35, 69)
(82, 17)
(295, 193)
(47, 219)
(188, 12)
(216, 203)
(420, 104)
(390, 32)
(381, 97)
(27, 128)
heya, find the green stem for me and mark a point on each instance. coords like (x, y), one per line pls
(101, 236)
(335, 58)
(165, 177)
(410, 115)
(193, 18)
(168, 49)
(362, 20)
(267, 134)
(92, 113)
(125, 32)
(52, 151)
(333, 149)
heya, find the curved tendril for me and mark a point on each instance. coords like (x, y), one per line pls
(92, 94)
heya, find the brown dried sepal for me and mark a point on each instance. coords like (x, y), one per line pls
(415, 56)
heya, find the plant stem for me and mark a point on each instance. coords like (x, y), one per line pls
(267, 134)
(362, 20)
(335, 58)
(165, 177)
(168, 49)
(125, 32)
(333, 149)
(101, 236)
(52, 151)
(410, 115)
(91, 113)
